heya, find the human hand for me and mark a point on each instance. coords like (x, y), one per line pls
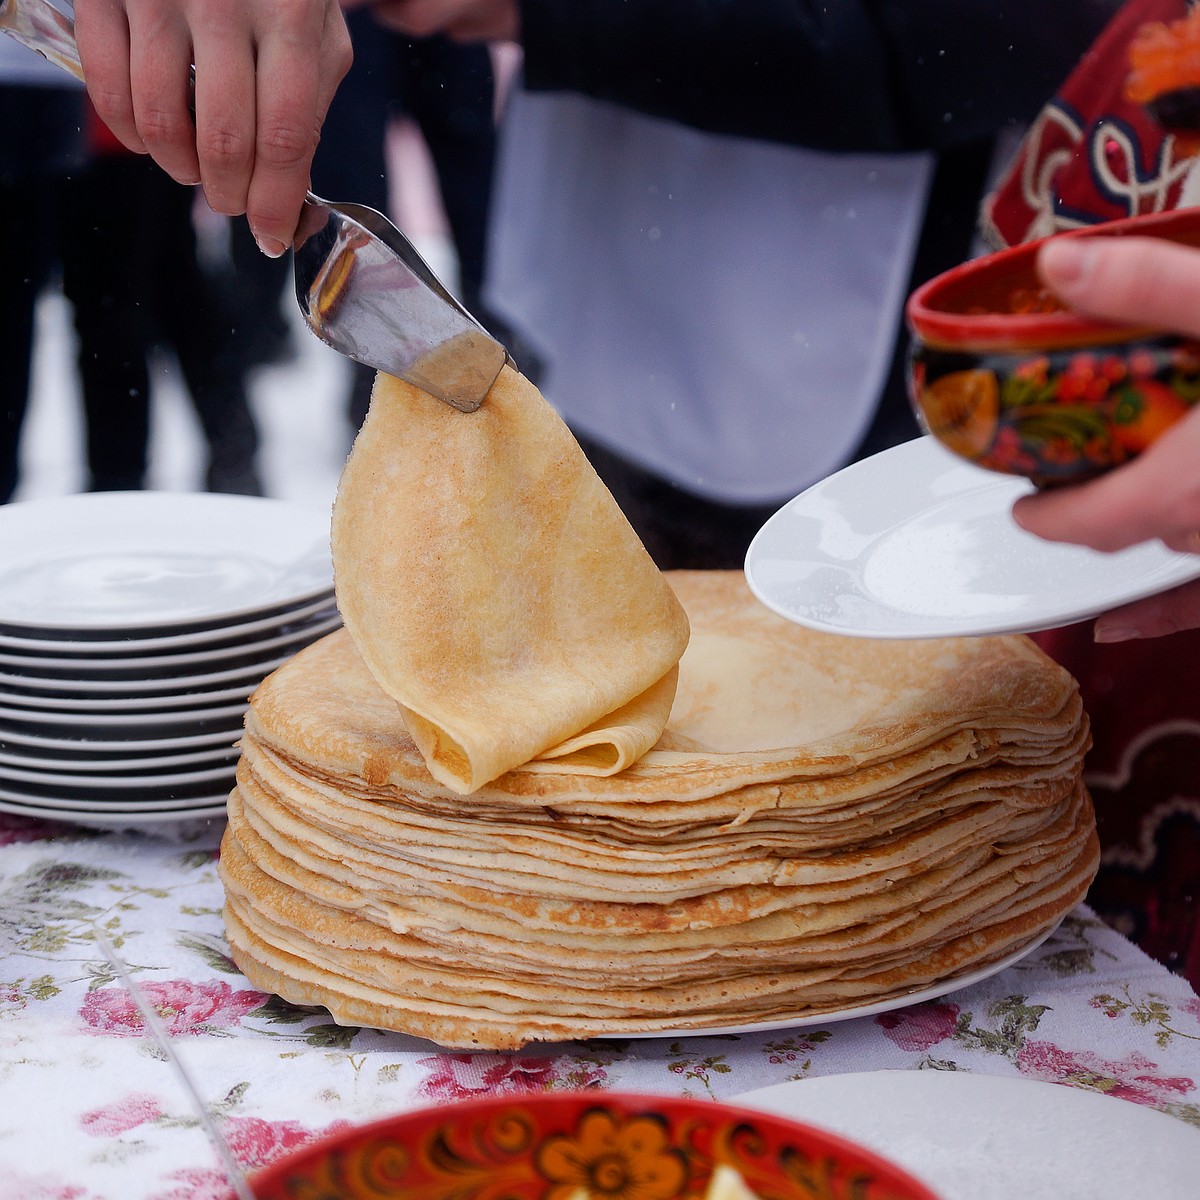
(1155, 616)
(463, 20)
(266, 71)
(1157, 495)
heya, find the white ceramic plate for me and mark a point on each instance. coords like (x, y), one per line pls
(805, 1020)
(144, 782)
(988, 1137)
(184, 828)
(163, 666)
(190, 740)
(143, 686)
(114, 764)
(116, 560)
(114, 817)
(160, 798)
(916, 543)
(104, 724)
(147, 706)
(132, 641)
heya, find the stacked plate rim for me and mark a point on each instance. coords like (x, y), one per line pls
(133, 628)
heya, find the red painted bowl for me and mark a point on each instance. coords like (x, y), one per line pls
(1002, 375)
(552, 1145)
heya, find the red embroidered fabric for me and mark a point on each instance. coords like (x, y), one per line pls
(1093, 156)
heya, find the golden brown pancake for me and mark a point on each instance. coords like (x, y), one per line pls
(823, 823)
(495, 590)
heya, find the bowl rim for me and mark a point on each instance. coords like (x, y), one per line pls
(940, 328)
(272, 1174)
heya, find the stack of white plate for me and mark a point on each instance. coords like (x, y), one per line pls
(133, 628)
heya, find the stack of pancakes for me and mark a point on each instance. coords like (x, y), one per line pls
(824, 823)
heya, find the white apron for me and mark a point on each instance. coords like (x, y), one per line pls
(720, 310)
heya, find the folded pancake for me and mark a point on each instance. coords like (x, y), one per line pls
(761, 703)
(824, 822)
(496, 592)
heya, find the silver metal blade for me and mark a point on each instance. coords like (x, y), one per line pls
(45, 30)
(365, 291)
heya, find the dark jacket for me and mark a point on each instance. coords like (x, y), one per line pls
(843, 75)
(839, 75)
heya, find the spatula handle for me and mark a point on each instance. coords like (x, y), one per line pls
(40, 26)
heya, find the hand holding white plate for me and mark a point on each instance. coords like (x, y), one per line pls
(916, 543)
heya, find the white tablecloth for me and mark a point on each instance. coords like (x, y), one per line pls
(89, 1109)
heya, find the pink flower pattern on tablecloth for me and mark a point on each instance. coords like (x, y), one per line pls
(17, 1186)
(185, 1007)
(1134, 1077)
(197, 1183)
(279, 1075)
(461, 1076)
(256, 1143)
(920, 1027)
(11, 998)
(127, 1113)
(15, 830)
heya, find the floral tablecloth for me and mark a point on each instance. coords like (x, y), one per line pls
(90, 1109)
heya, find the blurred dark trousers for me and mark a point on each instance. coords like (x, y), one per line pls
(40, 142)
(131, 272)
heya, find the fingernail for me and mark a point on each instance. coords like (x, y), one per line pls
(1066, 262)
(269, 246)
(1016, 516)
(1114, 633)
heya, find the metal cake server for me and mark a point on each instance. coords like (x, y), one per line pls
(361, 285)
(364, 290)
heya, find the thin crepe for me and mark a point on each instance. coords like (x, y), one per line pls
(496, 592)
(837, 822)
(763, 709)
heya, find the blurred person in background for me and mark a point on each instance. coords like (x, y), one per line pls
(41, 146)
(708, 217)
(132, 274)
(719, 304)
(259, 291)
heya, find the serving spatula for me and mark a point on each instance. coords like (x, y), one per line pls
(361, 285)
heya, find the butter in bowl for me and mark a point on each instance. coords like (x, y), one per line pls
(1003, 375)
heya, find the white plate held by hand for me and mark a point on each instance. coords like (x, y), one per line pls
(916, 543)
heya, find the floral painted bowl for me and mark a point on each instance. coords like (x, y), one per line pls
(1002, 375)
(555, 1145)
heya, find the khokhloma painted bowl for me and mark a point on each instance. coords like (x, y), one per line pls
(1002, 375)
(563, 1145)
